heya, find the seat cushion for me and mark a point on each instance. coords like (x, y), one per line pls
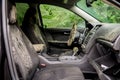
(59, 73)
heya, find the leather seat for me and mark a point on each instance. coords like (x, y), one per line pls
(30, 27)
(59, 73)
(27, 61)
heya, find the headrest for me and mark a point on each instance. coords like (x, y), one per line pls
(12, 15)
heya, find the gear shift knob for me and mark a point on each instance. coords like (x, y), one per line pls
(75, 50)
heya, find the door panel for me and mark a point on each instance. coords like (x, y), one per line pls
(58, 34)
(58, 22)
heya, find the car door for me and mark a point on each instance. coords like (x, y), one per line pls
(58, 22)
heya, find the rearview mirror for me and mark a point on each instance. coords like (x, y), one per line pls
(89, 2)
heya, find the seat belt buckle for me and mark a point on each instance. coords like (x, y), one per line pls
(42, 65)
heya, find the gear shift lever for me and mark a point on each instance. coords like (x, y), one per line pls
(75, 50)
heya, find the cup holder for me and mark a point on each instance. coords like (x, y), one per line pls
(68, 58)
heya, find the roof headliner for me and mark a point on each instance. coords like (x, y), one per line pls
(62, 2)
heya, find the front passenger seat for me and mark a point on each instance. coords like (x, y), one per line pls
(27, 61)
(30, 27)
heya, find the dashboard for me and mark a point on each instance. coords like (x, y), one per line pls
(107, 34)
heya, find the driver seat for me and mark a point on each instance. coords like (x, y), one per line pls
(30, 27)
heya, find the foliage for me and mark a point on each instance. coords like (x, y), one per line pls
(21, 9)
(110, 13)
(54, 16)
(58, 17)
(101, 11)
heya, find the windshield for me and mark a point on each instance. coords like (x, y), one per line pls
(101, 11)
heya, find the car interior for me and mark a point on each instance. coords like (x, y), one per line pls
(39, 36)
(90, 54)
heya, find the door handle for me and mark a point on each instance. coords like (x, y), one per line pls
(66, 33)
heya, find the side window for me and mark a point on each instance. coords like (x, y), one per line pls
(21, 9)
(57, 17)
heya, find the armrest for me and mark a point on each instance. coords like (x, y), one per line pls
(58, 44)
(39, 47)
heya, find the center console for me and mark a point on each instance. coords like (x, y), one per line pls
(69, 58)
(89, 39)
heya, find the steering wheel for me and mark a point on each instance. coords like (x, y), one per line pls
(72, 35)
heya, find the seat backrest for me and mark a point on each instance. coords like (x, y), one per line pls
(24, 55)
(30, 27)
